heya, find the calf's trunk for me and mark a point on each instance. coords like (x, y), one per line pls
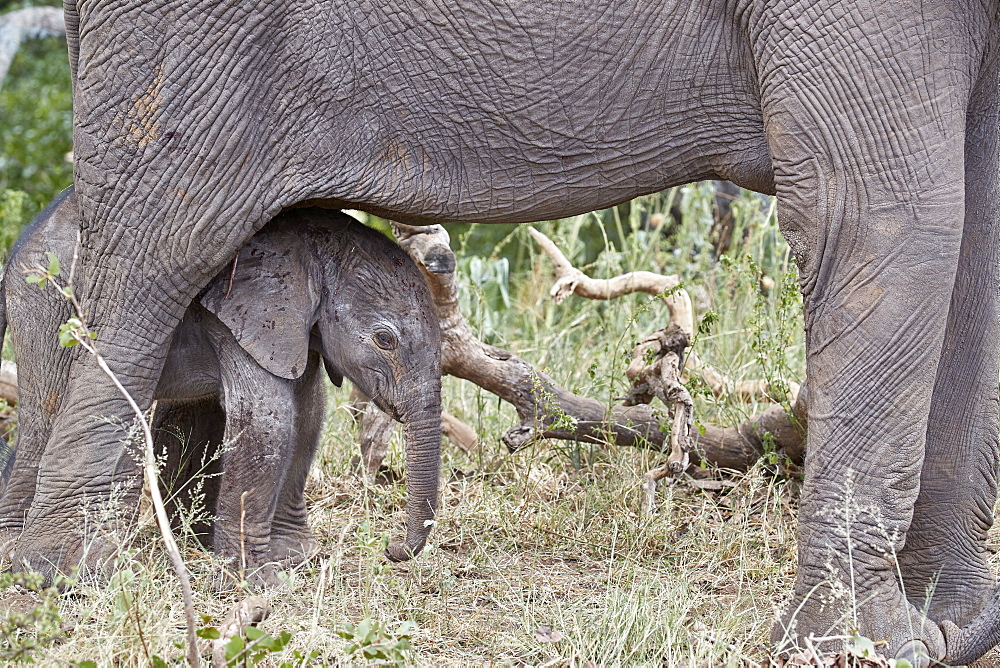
(423, 457)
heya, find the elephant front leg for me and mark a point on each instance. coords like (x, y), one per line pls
(292, 541)
(874, 212)
(258, 445)
(872, 345)
(86, 498)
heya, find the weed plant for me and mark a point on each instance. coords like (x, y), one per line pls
(540, 557)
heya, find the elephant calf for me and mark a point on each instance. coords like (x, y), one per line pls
(243, 369)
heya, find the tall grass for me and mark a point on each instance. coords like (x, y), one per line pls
(540, 557)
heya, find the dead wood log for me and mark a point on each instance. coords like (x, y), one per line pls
(24, 24)
(8, 382)
(547, 410)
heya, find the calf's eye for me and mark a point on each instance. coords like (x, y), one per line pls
(384, 340)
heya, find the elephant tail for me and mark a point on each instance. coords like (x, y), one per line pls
(6, 452)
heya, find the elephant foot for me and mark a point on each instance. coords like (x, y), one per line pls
(879, 612)
(958, 597)
(292, 549)
(63, 559)
(946, 579)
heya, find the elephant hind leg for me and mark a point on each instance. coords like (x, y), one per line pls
(875, 212)
(944, 562)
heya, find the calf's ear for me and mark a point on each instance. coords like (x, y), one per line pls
(269, 302)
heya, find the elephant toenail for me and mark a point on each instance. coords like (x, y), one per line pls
(915, 651)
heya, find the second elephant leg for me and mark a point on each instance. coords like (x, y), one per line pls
(292, 541)
(945, 552)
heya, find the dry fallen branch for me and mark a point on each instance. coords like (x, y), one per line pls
(249, 612)
(546, 410)
(570, 280)
(655, 371)
(23, 24)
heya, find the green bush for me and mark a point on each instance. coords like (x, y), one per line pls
(36, 131)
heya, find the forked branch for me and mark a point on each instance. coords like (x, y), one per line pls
(547, 410)
(570, 280)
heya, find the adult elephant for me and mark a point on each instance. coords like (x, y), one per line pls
(874, 122)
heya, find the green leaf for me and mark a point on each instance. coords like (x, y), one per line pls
(53, 264)
(861, 646)
(34, 278)
(67, 335)
(86, 664)
(209, 633)
(234, 648)
(253, 633)
(157, 662)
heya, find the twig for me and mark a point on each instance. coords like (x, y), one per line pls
(134, 611)
(232, 275)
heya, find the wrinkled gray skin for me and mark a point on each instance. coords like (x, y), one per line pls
(243, 369)
(874, 122)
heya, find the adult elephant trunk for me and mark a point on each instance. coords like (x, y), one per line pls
(423, 462)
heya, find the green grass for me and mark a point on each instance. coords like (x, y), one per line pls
(539, 557)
